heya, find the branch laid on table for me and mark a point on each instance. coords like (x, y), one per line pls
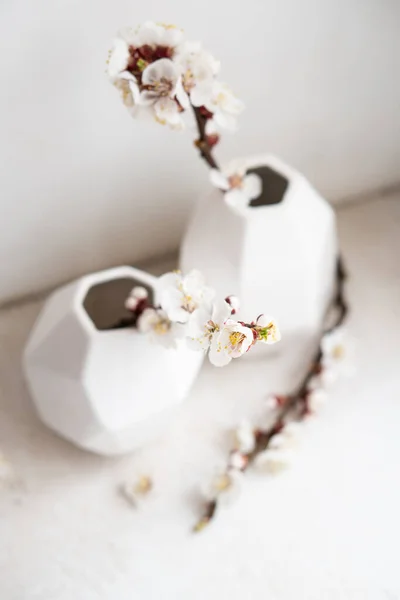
(267, 448)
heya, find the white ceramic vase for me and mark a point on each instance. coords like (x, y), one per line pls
(278, 255)
(106, 390)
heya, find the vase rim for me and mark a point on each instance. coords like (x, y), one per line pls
(86, 282)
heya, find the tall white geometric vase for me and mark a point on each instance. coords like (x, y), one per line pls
(278, 255)
(106, 390)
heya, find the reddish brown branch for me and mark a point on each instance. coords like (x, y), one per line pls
(202, 142)
(296, 402)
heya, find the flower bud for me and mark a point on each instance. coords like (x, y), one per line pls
(139, 292)
(233, 302)
(264, 320)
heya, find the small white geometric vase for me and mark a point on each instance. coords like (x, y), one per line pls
(278, 255)
(106, 390)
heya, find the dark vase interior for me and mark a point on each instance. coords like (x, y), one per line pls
(274, 186)
(105, 302)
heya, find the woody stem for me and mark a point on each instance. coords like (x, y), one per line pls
(202, 142)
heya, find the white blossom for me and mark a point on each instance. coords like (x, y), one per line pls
(237, 460)
(316, 399)
(205, 324)
(118, 58)
(224, 337)
(234, 303)
(133, 492)
(293, 430)
(161, 83)
(268, 329)
(225, 486)
(239, 189)
(136, 296)
(127, 86)
(180, 296)
(333, 345)
(245, 440)
(337, 356)
(198, 69)
(155, 34)
(272, 460)
(156, 322)
(231, 341)
(222, 103)
(272, 402)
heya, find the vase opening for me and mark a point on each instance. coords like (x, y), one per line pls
(104, 302)
(274, 186)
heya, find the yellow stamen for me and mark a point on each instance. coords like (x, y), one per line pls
(236, 338)
(338, 351)
(167, 26)
(235, 181)
(144, 485)
(222, 483)
(162, 327)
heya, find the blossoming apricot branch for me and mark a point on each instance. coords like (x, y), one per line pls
(162, 76)
(268, 449)
(187, 310)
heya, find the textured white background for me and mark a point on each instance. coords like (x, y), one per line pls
(84, 187)
(327, 529)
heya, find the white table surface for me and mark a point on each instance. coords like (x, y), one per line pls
(328, 528)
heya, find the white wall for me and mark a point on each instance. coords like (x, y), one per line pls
(84, 186)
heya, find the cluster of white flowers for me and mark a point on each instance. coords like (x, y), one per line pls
(335, 361)
(160, 74)
(187, 309)
(226, 484)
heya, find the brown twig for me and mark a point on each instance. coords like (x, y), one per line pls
(297, 401)
(202, 141)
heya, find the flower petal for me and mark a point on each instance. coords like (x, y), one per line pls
(118, 59)
(147, 320)
(201, 94)
(171, 302)
(181, 95)
(245, 440)
(167, 113)
(252, 186)
(172, 279)
(170, 35)
(273, 461)
(129, 35)
(219, 179)
(221, 312)
(197, 326)
(217, 356)
(148, 34)
(193, 281)
(159, 69)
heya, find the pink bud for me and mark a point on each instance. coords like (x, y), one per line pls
(131, 303)
(139, 292)
(272, 402)
(234, 303)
